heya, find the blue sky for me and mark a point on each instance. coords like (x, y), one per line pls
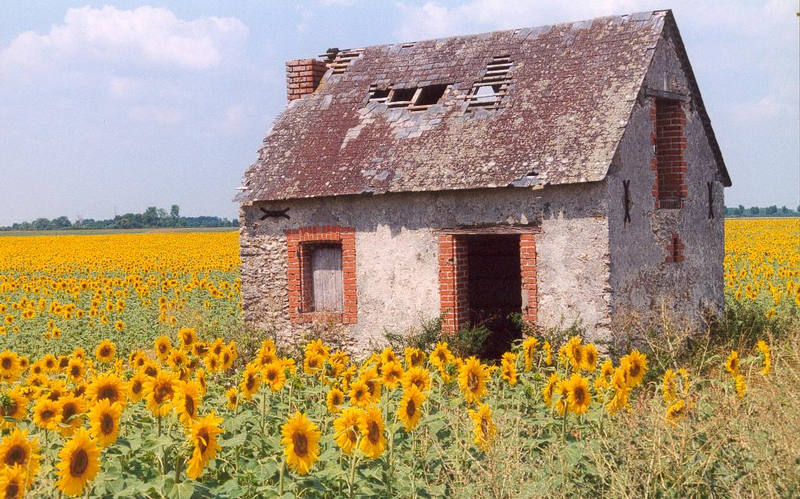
(121, 106)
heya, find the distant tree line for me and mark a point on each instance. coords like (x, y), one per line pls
(151, 218)
(756, 211)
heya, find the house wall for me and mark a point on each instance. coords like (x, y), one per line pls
(641, 277)
(397, 260)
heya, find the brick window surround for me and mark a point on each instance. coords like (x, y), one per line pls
(669, 162)
(453, 280)
(674, 249)
(299, 243)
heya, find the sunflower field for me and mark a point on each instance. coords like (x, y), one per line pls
(121, 376)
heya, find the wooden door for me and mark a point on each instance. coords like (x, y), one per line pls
(326, 268)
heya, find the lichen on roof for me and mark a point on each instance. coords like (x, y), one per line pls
(570, 91)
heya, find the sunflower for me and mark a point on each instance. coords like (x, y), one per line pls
(300, 442)
(392, 372)
(684, 374)
(374, 383)
(75, 369)
(764, 349)
(136, 386)
(49, 362)
(9, 365)
(508, 366)
(441, 355)
(528, 350)
(200, 348)
(635, 364)
(548, 353)
(232, 394)
(578, 396)
(414, 357)
(45, 414)
(108, 386)
(17, 450)
(187, 401)
(551, 388)
(347, 429)
(741, 386)
(334, 399)
(162, 347)
(409, 409)
(675, 412)
(160, 391)
(472, 380)
(200, 377)
(16, 405)
(78, 465)
(359, 393)
(317, 347)
(12, 482)
(213, 362)
(732, 364)
(373, 441)
(203, 435)
(187, 337)
(589, 357)
(104, 422)
(274, 376)
(105, 351)
(177, 360)
(622, 390)
(418, 376)
(312, 362)
(387, 355)
(668, 386)
(70, 408)
(483, 427)
(251, 380)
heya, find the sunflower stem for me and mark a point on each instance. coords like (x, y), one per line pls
(159, 425)
(280, 476)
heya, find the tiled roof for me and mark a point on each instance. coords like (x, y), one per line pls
(568, 95)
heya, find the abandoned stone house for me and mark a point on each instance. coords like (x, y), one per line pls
(568, 173)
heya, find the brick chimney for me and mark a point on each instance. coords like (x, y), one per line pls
(303, 76)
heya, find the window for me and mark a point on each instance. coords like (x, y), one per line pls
(427, 97)
(415, 98)
(321, 273)
(401, 97)
(669, 123)
(488, 92)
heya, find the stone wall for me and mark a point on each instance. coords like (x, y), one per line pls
(397, 260)
(644, 276)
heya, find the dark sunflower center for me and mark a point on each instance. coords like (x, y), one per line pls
(136, 387)
(162, 392)
(78, 463)
(576, 352)
(162, 348)
(75, 371)
(336, 399)
(67, 411)
(47, 414)
(635, 368)
(251, 381)
(106, 424)
(416, 359)
(105, 352)
(580, 395)
(485, 427)
(472, 381)
(271, 375)
(359, 394)
(202, 441)
(374, 433)
(16, 455)
(108, 392)
(300, 442)
(150, 371)
(12, 490)
(6, 363)
(188, 405)
(411, 408)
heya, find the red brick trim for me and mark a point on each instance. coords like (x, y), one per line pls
(669, 145)
(527, 261)
(674, 249)
(298, 242)
(453, 282)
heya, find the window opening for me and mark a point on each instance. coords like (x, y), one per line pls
(401, 97)
(710, 186)
(343, 59)
(626, 184)
(488, 92)
(669, 154)
(326, 293)
(378, 95)
(427, 97)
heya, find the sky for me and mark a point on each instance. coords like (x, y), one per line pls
(112, 107)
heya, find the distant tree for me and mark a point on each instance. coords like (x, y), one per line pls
(784, 210)
(755, 210)
(740, 210)
(60, 223)
(175, 211)
(771, 210)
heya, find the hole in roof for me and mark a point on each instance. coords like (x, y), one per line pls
(379, 95)
(401, 97)
(430, 95)
(486, 93)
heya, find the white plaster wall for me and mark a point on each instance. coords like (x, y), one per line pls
(397, 253)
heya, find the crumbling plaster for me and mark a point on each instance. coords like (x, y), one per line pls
(641, 281)
(397, 254)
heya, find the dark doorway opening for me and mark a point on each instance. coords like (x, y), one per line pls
(495, 289)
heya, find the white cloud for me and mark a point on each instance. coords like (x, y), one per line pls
(122, 87)
(156, 114)
(146, 35)
(235, 118)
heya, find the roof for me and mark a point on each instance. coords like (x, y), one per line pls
(568, 93)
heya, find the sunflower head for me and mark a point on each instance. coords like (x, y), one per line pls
(17, 450)
(300, 439)
(409, 410)
(203, 435)
(483, 426)
(12, 482)
(334, 399)
(578, 396)
(105, 351)
(472, 379)
(104, 421)
(373, 440)
(79, 462)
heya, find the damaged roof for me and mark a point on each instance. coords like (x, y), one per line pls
(566, 98)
